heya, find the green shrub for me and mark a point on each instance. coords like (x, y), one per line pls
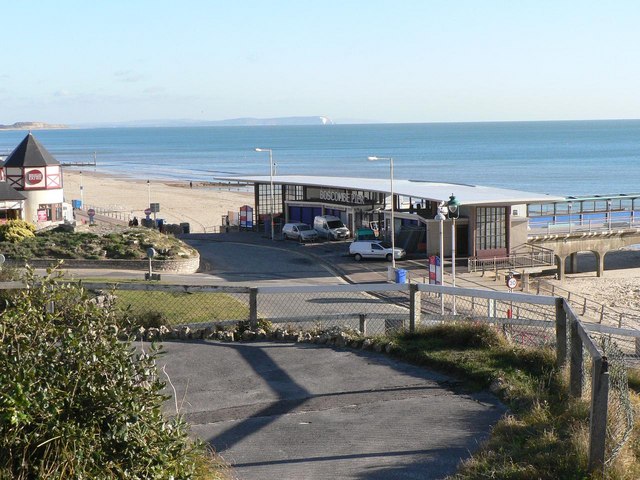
(15, 231)
(77, 402)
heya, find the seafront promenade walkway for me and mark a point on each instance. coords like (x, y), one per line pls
(597, 224)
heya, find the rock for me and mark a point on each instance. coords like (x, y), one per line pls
(153, 334)
(184, 333)
(227, 337)
(366, 345)
(390, 347)
(280, 334)
(248, 335)
(497, 386)
(208, 332)
(378, 347)
(261, 334)
(341, 340)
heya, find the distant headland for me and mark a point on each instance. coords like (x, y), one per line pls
(234, 122)
(31, 126)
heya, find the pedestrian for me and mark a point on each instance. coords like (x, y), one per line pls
(135, 221)
(190, 184)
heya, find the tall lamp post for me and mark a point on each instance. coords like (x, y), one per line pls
(393, 230)
(271, 182)
(454, 212)
(441, 216)
(81, 192)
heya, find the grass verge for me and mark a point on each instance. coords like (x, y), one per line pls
(171, 308)
(545, 434)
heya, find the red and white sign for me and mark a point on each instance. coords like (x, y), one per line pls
(91, 212)
(42, 216)
(34, 177)
(147, 211)
(435, 270)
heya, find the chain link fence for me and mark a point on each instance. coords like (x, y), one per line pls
(598, 355)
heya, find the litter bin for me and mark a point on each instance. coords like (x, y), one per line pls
(186, 228)
(401, 275)
(76, 204)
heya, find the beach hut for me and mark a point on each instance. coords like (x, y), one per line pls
(37, 175)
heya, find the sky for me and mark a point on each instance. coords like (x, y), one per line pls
(398, 61)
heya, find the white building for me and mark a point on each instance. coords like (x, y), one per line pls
(33, 173)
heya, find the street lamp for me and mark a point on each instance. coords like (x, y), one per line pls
(271, 182)
(393, 231)
(570, 207)
(81, 192)
(441, 216)
(454, 212)
(609, 212)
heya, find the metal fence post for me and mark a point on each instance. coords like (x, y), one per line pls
(414, 307)
(598, 421)
(576, 368)
(363, 323)
(561, 333)
(253, 307)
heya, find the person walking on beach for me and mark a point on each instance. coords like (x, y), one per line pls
(190, 184)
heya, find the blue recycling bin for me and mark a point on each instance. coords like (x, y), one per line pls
(76, 204)
(401, 275)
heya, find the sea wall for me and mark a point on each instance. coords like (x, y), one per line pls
(182, 265)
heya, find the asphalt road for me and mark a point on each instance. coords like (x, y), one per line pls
(264, 263)
(298, 411)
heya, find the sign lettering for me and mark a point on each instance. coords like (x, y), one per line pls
(342, 197)
(34, 177)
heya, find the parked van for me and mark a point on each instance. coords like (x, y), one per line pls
(330, 227)
(375, 249)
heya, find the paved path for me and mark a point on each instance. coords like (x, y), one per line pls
(298, 411)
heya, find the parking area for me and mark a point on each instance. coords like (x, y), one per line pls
(291, 260)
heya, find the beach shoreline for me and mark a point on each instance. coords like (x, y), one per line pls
(202, 205)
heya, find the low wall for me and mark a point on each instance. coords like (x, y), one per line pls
(182, 265)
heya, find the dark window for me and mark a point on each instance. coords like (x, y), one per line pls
(491, 228)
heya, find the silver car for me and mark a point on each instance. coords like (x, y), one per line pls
(299, 231)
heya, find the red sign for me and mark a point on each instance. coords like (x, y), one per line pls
(91, 212)
(34, 177)
(42, 216)
(147, 211)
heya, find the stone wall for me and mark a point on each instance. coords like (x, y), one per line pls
(183, 265)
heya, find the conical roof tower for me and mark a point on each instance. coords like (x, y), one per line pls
(31, 169)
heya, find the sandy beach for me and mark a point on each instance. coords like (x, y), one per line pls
(201, 206)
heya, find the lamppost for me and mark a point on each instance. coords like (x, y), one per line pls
(149, 192)
(570, 206)
(454, 212)
(271, 182)
(393, 231)
(441, 216)
(81, 192)
(609, 212)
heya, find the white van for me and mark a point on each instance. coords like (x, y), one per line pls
(375, 249)
(330, 227)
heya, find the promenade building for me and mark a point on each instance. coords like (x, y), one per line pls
(491, 223)
(31, 185)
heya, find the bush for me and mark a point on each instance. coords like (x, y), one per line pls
(77, 402)
(15, 231)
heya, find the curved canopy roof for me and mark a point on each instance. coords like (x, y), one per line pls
(432, 191)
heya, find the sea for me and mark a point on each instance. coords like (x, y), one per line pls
(560, 157)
